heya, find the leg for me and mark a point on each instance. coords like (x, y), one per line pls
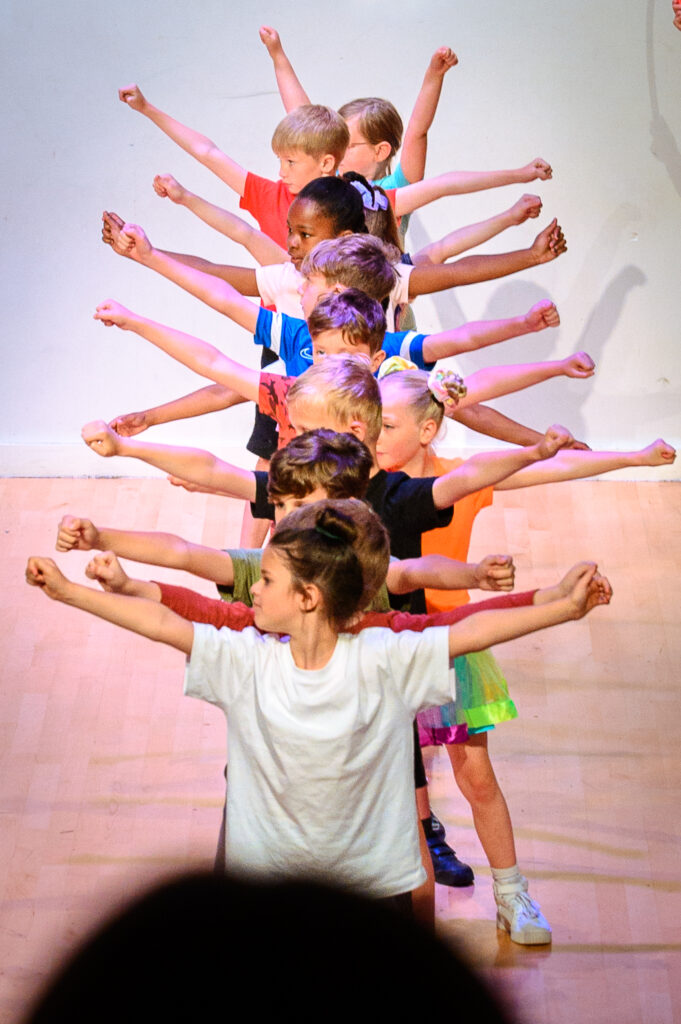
(516, 912)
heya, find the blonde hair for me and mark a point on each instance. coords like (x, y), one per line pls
(347, 388)
(378, 122)
(413, 384)
(314, 130)
(355, 261)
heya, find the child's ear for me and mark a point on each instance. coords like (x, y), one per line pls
(358, 428)
(310, 597)
(377, 359)
(328, 164)
(383, 152)
(428, 431)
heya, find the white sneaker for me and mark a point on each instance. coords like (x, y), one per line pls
(519, 915)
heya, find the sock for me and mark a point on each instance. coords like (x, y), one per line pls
(504, 876)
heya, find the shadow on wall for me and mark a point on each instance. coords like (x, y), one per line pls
(663, 145)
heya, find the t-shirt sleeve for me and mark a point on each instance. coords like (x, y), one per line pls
(246, 564)
(407, 344)
(220, 664)
(396, 179)
(411, 501)
(399, 296)
(420, 667)
(268, 202)
(268, 279)
(261, 508)
(198, 608)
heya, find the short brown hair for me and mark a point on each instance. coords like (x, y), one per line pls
(358, 317)
(340, 546)
(339, 463)
(378, 122)
(355, 261)
(314, 130)
(348, 389)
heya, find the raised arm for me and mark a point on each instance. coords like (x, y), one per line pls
(261, 248)
(199, 146)
(415, 143)
(481, 333)
(211, 399)
(164, 549)
(576, 465)
(504, 380)
(454, 183)
(468, 237)
(148, 618)
(192, 352)
(495, 572)
(191, 464)
(291, 91)
(547, 246)
(484, 629)
(489, 468)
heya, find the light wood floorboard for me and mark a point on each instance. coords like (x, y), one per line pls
(110, 777)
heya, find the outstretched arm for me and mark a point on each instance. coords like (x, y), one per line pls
(461, 239)
(164, 549)
(489, 468)
(191, 464)
(454, 183)
(488, 421)
(192, 352)
(481, 333)
(137, 614)
(547, 246)
(415, 143)
(261, 248)
(215, 292)
(198, 403)
(291, 91)
(504, 380)
(199, 146)
(484, 629)
(576, 465)
(495, 572)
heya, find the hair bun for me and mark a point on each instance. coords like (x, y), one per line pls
(335, 526)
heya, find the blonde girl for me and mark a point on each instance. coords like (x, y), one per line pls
(414, 405)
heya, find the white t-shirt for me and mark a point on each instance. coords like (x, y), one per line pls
(278, 286)
(321, 780)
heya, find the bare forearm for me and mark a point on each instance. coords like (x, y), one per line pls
(504, 380)
(485, 629)
(137, 614)
(468, 270)
(200, 147)
(243, 279)
(215, 292)
(211, 399)
(462, 239)
(192, 464)
(411, 197)
(472, 336)
(494, 424)
(435, 571)
(261, 248)
(169, 551)
(571, 464)
(291, 91)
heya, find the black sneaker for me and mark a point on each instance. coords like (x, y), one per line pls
(449, 870)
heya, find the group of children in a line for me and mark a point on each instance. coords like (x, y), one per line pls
(322, 695)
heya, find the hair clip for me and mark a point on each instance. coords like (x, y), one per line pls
(446, 387)
(371, 200)
(394, 365)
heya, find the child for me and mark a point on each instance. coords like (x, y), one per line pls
(347, 323)
(412, 416)
(375, 126)
(310, 142)
(318, 698)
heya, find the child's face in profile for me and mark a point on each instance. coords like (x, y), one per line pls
(307, 226)
(311, 412)
(311, 289)
(297, 169)
(400, 437)
(361, 155)
(274, 596)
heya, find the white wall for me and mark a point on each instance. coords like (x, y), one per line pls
(592, 87)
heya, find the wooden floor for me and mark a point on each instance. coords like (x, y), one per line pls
(110, 778)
